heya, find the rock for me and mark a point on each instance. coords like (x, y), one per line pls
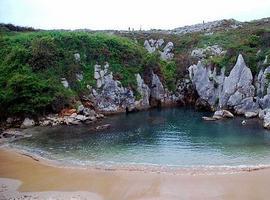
(155, 45)
(67, 112)
(223, 114)
(167, 54)
(202, 53)
(262, 82)
(102, 127)
(27, 123)
(111, 96)
(80, 109)
(244, 122)
(207, 84)
(266, 121)
(77, 57)
(208, 27)
(209, 119)
(247, 105)
(88, 112)
(9, 120)
(157, 89)
(251, 114)
(144, 91)
(81, 118)
(201, 104)
(227, 114)
(79, 76)
(65, 82)
(238, 85)
(265, 102)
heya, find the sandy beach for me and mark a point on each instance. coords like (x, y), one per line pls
(23, 177)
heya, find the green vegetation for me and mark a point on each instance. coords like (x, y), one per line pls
(33, 64)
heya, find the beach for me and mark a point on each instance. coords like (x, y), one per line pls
(23, 177)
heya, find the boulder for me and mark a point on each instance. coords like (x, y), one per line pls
(250, 114)
(209, 118)
(77, 57)
(27, 123)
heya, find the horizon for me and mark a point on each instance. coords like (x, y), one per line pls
(120, 15)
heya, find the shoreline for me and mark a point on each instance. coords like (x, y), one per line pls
(44, 181)
(149, 168)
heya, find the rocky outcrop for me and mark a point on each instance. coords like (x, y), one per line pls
(202, 53)
(237, 86)
(166, 52)
(207, 83)
(144, 92)
(235, 91)
(208, 27)
(110, 95)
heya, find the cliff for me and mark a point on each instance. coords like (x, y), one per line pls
(50, 72)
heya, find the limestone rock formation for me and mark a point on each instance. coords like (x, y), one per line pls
(144, 91)
(110, 95)
(166, 53)
(207, 83)
(202, 53)
(238, 85)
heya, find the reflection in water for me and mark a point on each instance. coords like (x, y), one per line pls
(174, 136)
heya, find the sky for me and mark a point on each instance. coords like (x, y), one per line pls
(122, 14)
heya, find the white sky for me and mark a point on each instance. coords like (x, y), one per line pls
(121, 14)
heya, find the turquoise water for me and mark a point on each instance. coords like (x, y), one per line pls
(167, 137)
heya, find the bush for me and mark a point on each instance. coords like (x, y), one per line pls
(43, 52)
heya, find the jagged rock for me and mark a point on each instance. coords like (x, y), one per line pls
(202, 53)
(265, 102)
(144, 91)
(157, 89)
(111, 96)
(247, 105)
(238, 85)
(155, 45)
(266, 121)
(27, 123)
(207, 84)
(167, 54)
(227, 114)
(262, 83)
(65, 82)
(251, 114)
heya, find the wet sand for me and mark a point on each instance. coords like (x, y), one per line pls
(23, 176)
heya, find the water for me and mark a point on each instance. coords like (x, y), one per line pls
(168, 137)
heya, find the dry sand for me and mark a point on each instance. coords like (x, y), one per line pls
(25, 178)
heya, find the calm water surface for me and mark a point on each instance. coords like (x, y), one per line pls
(167, 137)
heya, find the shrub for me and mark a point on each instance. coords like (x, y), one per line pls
(43, 53)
